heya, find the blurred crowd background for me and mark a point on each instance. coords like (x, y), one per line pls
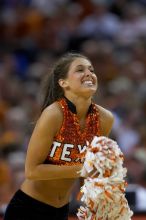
(33, 34)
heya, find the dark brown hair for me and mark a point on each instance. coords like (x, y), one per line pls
(51, 87)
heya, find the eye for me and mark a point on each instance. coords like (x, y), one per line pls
(92, 71)
(80, 70)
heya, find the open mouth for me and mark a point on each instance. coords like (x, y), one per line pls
(88, 83)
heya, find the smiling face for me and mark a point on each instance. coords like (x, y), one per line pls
(81, 79)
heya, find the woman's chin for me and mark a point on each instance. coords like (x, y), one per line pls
(89, 92)
(91, 89)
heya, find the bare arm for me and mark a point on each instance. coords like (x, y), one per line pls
(106, 121)
(40, 142)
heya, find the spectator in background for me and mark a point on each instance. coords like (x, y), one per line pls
(100, 24)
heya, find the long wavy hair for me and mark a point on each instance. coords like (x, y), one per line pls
(52, 91)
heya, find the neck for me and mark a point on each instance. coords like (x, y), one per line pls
(82, 105)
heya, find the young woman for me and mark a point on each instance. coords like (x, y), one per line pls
(69, 120)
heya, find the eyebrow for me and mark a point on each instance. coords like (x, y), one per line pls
(81, 65)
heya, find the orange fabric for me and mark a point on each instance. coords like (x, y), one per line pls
(70, 143)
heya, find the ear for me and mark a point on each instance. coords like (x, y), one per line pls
(63, 83)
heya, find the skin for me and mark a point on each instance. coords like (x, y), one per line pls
(48, 183)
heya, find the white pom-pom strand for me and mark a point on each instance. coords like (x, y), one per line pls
(104, 184)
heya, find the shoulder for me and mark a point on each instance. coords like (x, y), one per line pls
(53, 110)
(106, 120)
(52, 116)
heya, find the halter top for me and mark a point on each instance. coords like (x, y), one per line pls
(70, 143)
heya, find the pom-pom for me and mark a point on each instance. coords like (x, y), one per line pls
(104, 184)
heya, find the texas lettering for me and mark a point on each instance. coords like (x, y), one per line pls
(66, 150)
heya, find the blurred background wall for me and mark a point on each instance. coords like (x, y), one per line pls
(33, 34)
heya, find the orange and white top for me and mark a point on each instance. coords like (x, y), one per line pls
(70, 142)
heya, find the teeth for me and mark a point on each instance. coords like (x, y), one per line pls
(89, 82)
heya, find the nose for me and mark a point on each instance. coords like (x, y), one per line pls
(88, 73)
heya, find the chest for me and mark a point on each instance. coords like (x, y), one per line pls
(77, 131)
